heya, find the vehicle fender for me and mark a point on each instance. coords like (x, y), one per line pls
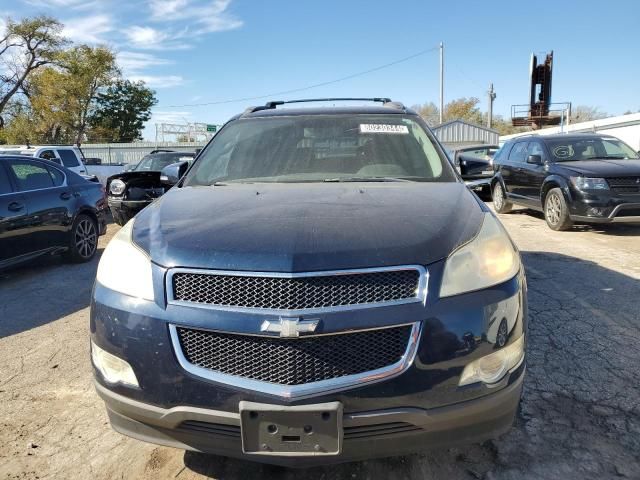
(555, 181)
(497, 177)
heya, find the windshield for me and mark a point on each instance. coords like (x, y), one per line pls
(575, 149)
(315, 148)
(155, 163)
(484, 153)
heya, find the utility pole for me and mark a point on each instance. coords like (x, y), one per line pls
(441, 81)
(492, 97)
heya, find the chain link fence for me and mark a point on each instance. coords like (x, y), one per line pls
(120, 154)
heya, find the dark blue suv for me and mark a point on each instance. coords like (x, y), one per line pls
(320, 286)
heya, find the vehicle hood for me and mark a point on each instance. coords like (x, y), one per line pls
(603, 168)
(152, 176)
(307, 227)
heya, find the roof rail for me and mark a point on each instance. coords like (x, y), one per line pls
(387, 102)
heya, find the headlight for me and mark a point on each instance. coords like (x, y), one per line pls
(117, 187)
(588, 183)
(489, 259)
(124, 267)
(492, 367)
(113, 369)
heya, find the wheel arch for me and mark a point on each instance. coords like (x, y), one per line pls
(555, 181)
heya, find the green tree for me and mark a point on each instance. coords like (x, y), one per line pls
(464, 109)
(25, 47)
(429, 111)
(122, 110)
(63, 98)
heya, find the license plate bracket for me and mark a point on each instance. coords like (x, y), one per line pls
(300, 430)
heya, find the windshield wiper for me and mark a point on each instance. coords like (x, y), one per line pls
(366, 179)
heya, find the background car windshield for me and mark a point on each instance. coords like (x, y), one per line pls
(574, 149)
(155, 163)
(314, 148)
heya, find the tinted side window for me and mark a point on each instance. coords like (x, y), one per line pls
(519, 152)
(5, 184)
(48, 155)
(69, 158)
(57, 176)
(31, 176)
(535, 148)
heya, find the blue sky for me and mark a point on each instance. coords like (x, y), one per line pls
(197, 51)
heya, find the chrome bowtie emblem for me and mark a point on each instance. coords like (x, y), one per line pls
(290, 327)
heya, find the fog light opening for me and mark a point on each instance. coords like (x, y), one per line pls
(113, 369)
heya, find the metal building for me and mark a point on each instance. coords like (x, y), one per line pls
(459, 133)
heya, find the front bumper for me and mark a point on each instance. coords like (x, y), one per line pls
(126, 209)
(424, 402)
(478, 183)
(366, 434)
(620, 213)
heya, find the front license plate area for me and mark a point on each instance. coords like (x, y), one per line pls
(487, 172)
(303, 430)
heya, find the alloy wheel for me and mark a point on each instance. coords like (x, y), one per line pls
(86, 238)
(554, 209)
(498, 198)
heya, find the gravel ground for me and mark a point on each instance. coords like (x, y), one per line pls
(580, 415)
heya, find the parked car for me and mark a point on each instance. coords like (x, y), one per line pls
(475, 164)
(67, 156)
(131, 191)
(320, 286)
(586, 178)
(47, 209)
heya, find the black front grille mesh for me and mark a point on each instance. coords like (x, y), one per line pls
(624, 184)
(295, 293)
(294, 361)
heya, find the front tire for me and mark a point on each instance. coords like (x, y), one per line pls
(500, 202)
(556, 211)
(83, 242)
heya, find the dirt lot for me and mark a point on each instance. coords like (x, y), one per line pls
(580, 415)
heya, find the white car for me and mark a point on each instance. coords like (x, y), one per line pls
(65, 155)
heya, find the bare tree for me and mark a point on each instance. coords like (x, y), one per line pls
(26, 46)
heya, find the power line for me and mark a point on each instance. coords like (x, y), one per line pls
(308, 87)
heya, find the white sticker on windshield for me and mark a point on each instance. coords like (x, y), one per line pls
(382, 128)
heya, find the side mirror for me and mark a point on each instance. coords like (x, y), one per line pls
(171, 174)
(534, 159)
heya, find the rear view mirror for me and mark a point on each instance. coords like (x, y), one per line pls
(534, 159)
(172, 173)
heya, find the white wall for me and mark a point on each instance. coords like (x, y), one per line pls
(624, 127)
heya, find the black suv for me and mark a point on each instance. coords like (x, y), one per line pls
(571, 178)
(320, 286)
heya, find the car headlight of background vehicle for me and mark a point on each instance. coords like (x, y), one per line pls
(124, 267)
(589, 183)
(113, 369)
(487, 260)
(117, 187)
(491, 368)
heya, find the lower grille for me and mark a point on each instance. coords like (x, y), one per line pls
(363, 432)
(297, 361)
(629, 212)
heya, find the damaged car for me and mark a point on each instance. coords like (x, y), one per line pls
(131, 191)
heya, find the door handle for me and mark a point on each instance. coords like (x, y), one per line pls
(65, 195)
(16, 206)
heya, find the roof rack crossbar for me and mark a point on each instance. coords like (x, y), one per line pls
(273, 104)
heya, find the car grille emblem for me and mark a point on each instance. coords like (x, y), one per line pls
(290, 327)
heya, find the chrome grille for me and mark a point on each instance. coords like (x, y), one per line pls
(294, 361)
(625, 185)
(295, 291)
